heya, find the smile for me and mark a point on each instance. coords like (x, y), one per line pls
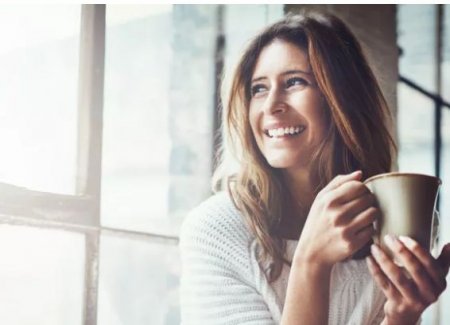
(282, 132)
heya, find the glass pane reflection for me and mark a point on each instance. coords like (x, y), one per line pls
(138, 282)
(38, 96)
(135, 180)
(42, 274)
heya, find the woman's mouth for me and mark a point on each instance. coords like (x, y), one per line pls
(289, 131)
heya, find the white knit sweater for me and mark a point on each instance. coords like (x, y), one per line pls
(222, 282)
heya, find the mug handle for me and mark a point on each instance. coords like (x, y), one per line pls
(434, 240)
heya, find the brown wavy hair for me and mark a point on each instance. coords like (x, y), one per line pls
(358, 117)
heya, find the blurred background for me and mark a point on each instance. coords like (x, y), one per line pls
(107, 129)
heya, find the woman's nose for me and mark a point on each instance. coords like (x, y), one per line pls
(275, 102)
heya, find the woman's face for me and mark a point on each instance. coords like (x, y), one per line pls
(287, 114)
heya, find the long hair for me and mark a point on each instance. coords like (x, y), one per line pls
(357, 114)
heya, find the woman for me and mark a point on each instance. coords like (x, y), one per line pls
(307, 122)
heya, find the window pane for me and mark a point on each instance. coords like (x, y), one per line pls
(138, 283)
(415, 111)
(416, 39)
(446, 55)
(415, 130)
(38, 96)
(242, 22)
(135, 180)
(158, 124)
(445, 206)
(445, 164)
(416, 115)
(42, 273)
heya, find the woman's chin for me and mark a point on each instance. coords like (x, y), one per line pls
(282, 163)
(289, 161)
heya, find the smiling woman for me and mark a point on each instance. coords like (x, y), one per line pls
(307, 122)
(287, 110)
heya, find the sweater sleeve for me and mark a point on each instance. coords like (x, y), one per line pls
(217, 278)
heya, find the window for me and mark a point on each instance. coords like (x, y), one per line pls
(39, 64)
(417, 118)
(108, 142)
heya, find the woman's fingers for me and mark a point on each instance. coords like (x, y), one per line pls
(395, 274)
(341, 179)
(356, 205)
(382, 280)
(362, 225)
(364, 219)
(435, 269)
(362, 241)
(422, 279)
(351, 191)
(428, 287)
(444, 258)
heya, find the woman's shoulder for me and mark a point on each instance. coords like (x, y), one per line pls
(216, 218)
(215, 233)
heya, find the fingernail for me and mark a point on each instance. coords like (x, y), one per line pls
(409, 242)
(390, 240)
(375, 250)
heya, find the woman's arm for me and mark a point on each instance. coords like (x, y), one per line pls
(307, 296)
(338, 225)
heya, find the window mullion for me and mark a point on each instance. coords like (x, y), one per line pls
(90, 102)
(90, 128)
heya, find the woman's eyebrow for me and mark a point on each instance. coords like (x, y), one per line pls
(296, 71)
(288, 72)
(258, 79)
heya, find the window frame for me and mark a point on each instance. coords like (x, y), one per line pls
(79, 213)
(439, 105)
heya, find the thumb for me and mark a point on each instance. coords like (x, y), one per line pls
(444, 257)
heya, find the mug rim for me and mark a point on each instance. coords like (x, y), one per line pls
(395, 174)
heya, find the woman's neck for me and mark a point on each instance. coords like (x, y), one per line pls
(301, 195)
(301, 186)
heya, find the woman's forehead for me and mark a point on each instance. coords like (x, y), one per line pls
(280, 56)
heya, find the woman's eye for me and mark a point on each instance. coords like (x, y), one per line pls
(257, 89)
(297, 81)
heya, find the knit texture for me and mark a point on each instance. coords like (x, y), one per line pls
(223, 283)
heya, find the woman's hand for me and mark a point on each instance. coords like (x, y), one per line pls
(408, 293)
(340, 222)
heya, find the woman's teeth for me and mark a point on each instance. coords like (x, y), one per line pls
(280, 132)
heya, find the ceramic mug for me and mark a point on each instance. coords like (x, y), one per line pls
(407, 203)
